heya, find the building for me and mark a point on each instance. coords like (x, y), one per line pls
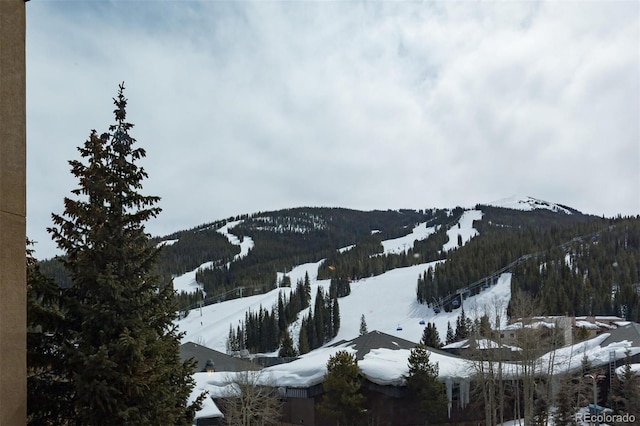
(217, 361)
(13, 316)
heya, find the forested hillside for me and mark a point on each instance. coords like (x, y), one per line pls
(574, 263)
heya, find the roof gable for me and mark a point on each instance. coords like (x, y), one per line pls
(221, 361)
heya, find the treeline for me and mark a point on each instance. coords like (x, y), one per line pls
(321, 325)
(367, 259)
(266, 331)
(594, 275)
(284, 239)
(287, 238)
(505, 236)
(193, 248)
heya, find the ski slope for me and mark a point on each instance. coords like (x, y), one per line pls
(387, 301)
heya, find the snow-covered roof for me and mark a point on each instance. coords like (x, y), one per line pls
(479, 344)
(306, 371)
(635, 368)
(461, 344)
(587, 325)
(204, 382)
(535, 324)
(597, 350)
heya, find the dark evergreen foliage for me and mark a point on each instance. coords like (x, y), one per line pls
(286, 347)
(424, 387)
(431, 337)
(50, 391)
(321, 325)
(363, 326)
(463, 328)
(625, 392)
(121, 346)
(451, 337)
(339, 287)
(343, 396)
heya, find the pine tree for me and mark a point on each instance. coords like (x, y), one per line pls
(303, 338)
(564, 414)
(423, 384)
(282, 318)
(625, 393)
(450, 336)
(125, 357)
(335, 318)
(462, 327)
(363, 326)
(49, 392)
(431, 337)
(343, 398)
(319, 318)
(286, 346)
(307, 291)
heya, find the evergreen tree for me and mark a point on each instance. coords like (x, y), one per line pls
(625, 393)
(564, 414)
(450, 336)
(303, 339)
(431, 337)
(307, 291)
(462, 327)
(335, 318)
(484, 326)
(49, 392)
(282, 317)
(424, 387)
(286, 346)
(319, 318)
(343, 398)
(363, 325)
(124, 357)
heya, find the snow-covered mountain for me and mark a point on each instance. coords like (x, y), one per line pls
(388, 301)
(527, 203)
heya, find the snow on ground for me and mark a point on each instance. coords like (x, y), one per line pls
(635, 368)
(464, 228)
(527, 204)
(402, 244)
(166, 243)
(187, 282)
(388, 301)
(245, 245)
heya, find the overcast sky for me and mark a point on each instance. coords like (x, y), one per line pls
(252, 106)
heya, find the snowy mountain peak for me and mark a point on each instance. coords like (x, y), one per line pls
(527, 203)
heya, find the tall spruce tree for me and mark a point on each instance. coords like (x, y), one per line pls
(286, 346)
(425, 389)
(342, 385)
(431, 337)
(124, 348)
(450, 336)
(363, 325)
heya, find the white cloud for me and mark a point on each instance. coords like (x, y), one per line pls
(247, 106)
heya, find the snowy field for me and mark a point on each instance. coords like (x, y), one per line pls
(388, 301)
